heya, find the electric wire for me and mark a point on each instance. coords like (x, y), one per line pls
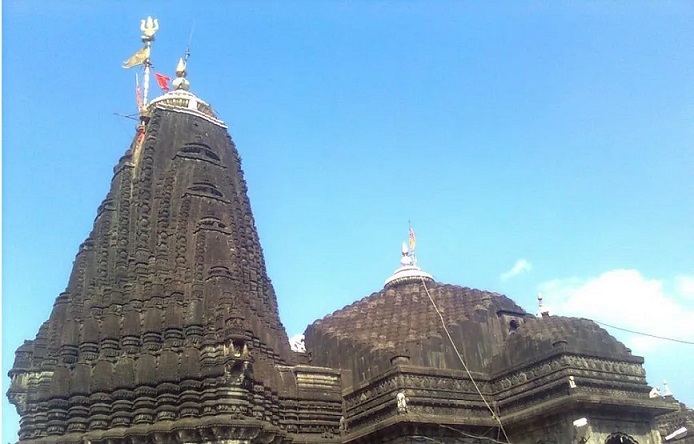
(474, 383)
(426, 438)
(681, 341)
(450, 338)
(496, 441)
(465, 434)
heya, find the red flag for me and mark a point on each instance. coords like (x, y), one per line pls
(162, 80)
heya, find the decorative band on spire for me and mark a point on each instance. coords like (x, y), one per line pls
(178, 100)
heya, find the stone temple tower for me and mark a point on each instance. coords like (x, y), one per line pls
(169, 333)
(168, 329)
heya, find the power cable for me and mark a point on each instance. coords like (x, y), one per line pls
(450, 338)
(496, 441)
(681, 341)
(467, 435)
(426, 438)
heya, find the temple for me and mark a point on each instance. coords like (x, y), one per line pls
(169, 332)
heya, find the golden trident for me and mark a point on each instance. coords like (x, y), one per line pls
(148, 27)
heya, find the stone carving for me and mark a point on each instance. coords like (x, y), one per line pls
(169, 332)
(402, 402)
(167, 320)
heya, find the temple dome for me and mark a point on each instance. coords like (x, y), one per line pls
(491, 332)
(398, 314)
(400, 320)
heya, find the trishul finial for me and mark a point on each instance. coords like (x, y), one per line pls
(148, 27)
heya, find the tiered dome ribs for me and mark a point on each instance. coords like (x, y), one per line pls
(169, 313)
(394, 342)
(401, 321)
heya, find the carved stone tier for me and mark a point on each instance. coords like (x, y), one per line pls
(169, 332)
(168, 328)
(528, 369)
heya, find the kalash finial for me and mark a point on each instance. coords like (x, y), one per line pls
(541, 311)
(180, 82)
(409, 271)
(406, 259)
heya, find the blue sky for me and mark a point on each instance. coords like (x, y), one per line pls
(534, 146)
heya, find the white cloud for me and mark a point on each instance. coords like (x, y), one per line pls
(521, 266)
(627, 299)
(296, 343)
(685, 286)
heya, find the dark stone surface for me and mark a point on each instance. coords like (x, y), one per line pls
(393, 341)
(493, 332)
(169, 320)
(681, 417)
(168, 332)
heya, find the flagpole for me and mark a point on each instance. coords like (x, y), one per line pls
(145, 88)
(138, 94)
(148, 28)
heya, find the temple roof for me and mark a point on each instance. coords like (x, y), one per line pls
(535, 337)
(491, 332)
(396, 315)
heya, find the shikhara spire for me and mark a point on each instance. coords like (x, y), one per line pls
(169, 328)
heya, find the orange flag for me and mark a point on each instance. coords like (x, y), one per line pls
(162, 80)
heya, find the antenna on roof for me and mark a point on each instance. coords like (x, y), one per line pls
(190, 39)
(180, 82)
